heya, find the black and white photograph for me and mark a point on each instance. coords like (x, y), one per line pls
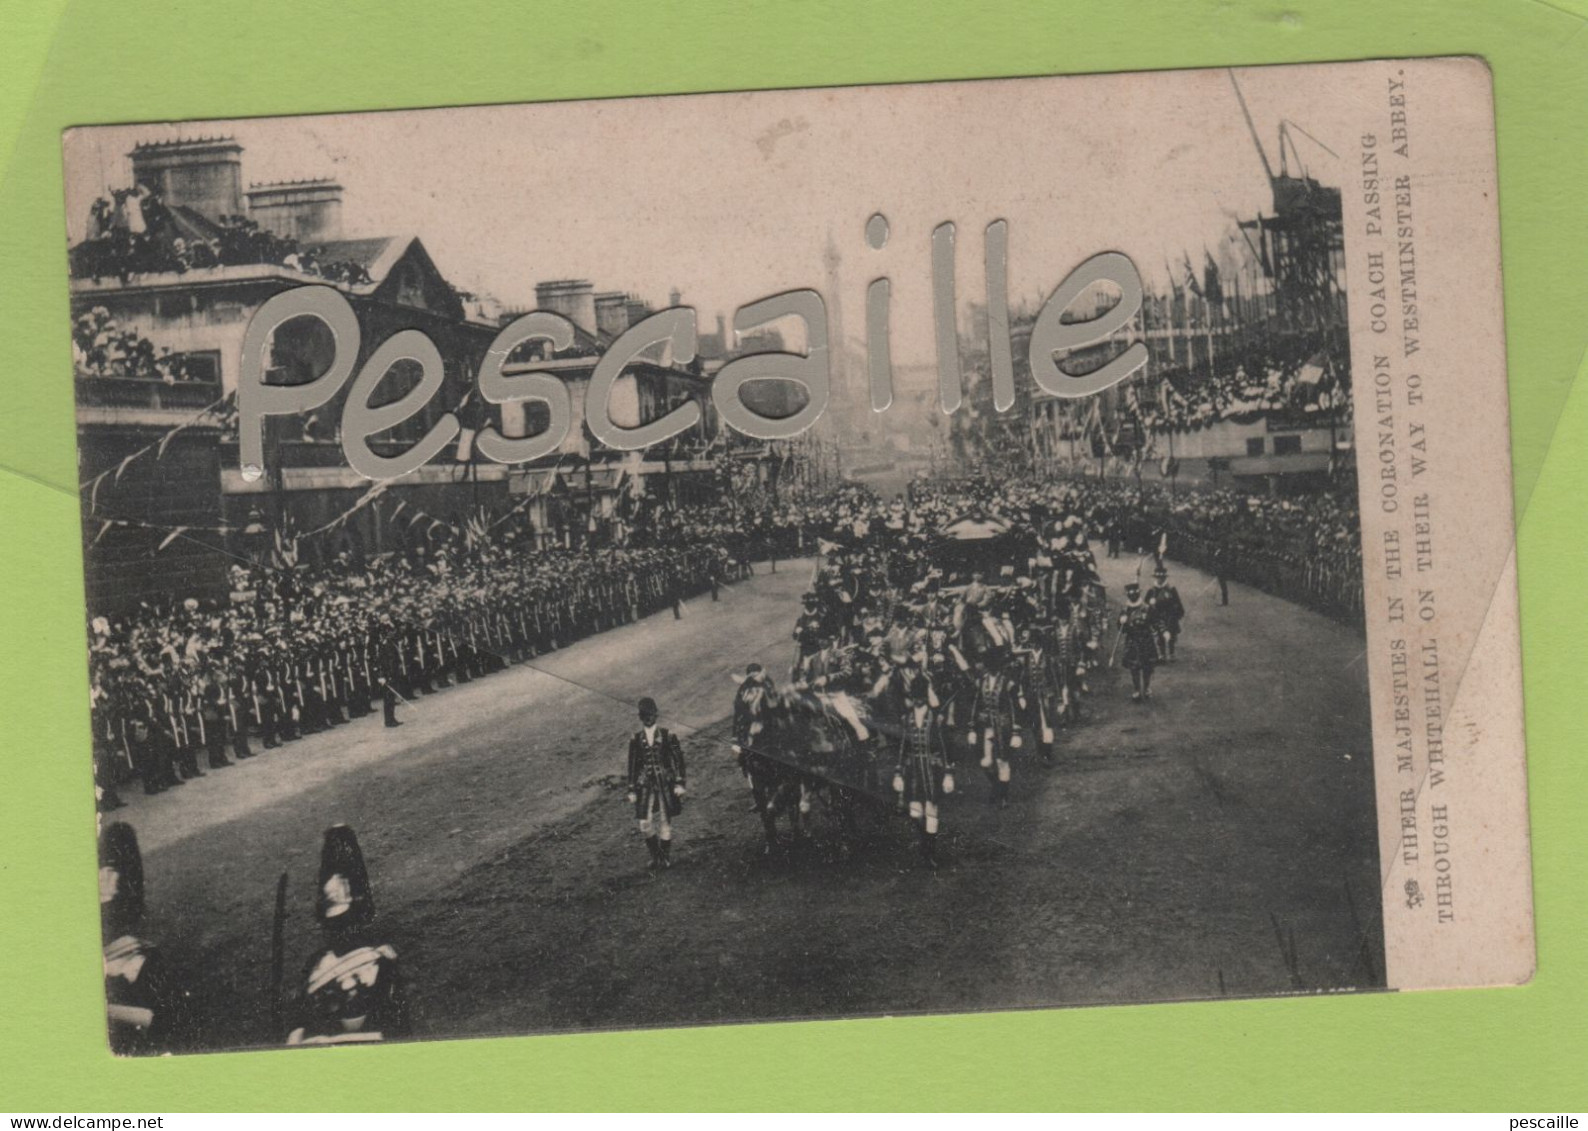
(759, 557)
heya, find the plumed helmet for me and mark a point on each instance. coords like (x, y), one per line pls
(343, 897)
(120, 878)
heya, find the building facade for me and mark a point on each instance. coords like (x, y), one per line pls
(163, 289)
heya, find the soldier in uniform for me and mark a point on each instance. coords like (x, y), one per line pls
(1141, 646)
(238, 707)
(656, 783)
(1167, 612)
(213, 714)
(268, 699)
(390, 664)
(352, 989)
(925, 772)
(153, 754)
(145, 1006)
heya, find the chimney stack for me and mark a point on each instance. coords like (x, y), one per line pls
(612, 313)
(308, 211)
(204, 174)
(574, 299)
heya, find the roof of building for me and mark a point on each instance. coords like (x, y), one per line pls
(191, 225)
(376, 254)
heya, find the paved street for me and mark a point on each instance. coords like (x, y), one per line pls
(1218, 840)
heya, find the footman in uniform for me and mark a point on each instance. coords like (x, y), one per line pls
(656, 783)
(925, 771)
(1140, 642)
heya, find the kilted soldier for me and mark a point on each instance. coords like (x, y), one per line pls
(656, 783)
(925, 771)
(1036, 689)
(145, 1006)
(352, 989)
(993, 728)
(1167, 612)
(1140, 642)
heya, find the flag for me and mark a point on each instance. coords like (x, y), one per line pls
(363, 500)
(475, 529)
(169, 538)
(93, 489)
(1211, 286)
(284, 555)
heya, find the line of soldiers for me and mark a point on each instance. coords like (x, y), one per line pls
(350, 991)
(173, 694)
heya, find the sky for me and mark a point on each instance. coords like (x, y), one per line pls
(733, 197)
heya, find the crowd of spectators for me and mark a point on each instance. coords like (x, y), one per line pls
(138, 235)
(1299, 381)
(1306, 547)
(102, 348)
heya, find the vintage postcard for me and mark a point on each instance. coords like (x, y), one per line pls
(800, 554)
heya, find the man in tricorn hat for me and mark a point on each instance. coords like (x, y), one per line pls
(145, 1006)
(656, 783)
(352, 989)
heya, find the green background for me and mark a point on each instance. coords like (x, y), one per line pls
(91, 61)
